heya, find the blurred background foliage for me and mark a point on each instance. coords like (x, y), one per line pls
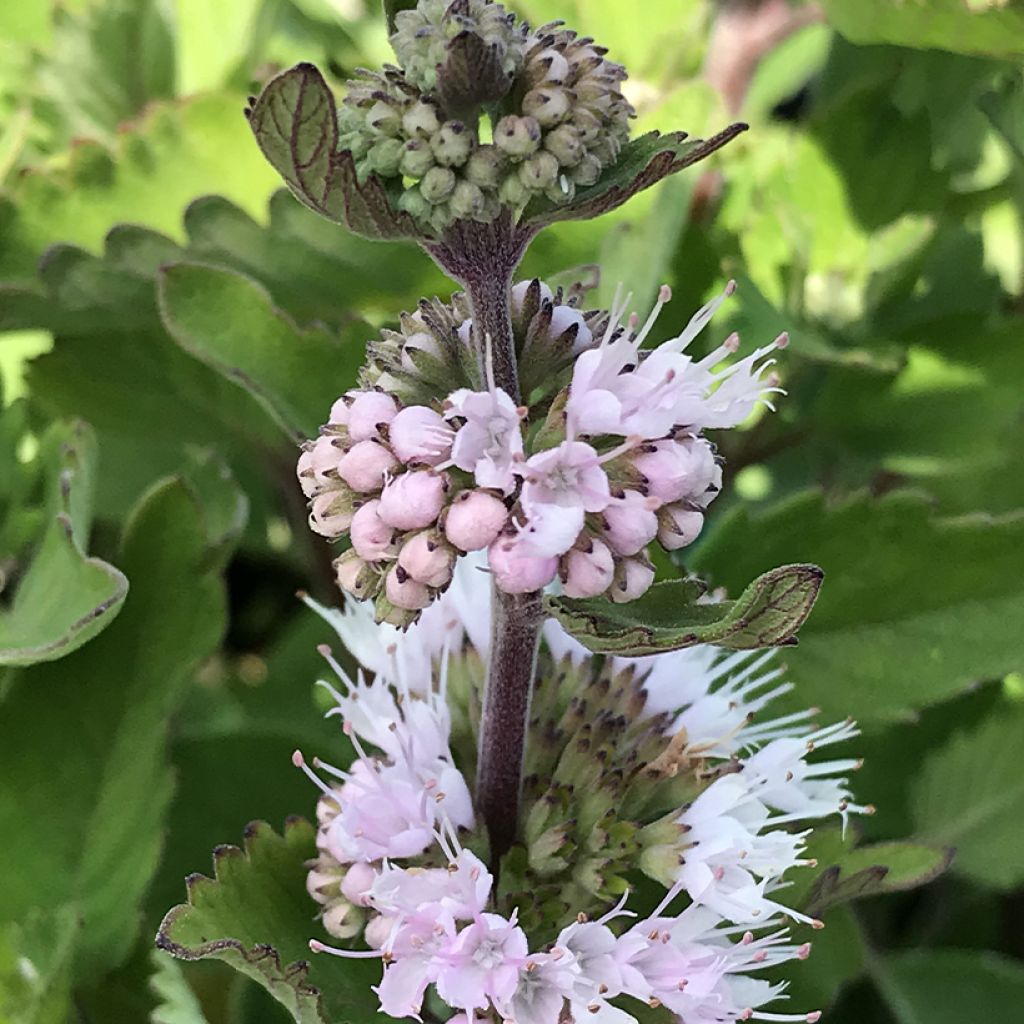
(170, 321)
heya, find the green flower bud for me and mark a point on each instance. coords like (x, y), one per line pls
(517, 136)
(484, 167)
(413, 202)
(417, 158)
(549, 106)
(561, 191)
(467, 200)
(421, 120)
(539, 172)
(564, 143)
(451, 144)
(513, 192)
(385, 157)
(383, 117)
(587, 171)
(437, 184)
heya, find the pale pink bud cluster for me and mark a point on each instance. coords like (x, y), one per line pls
(387, 477)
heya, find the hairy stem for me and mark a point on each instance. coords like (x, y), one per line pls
(483, 258)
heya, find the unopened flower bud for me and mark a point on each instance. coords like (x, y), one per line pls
(343, 920)
(633, 578)
(548, 66)
(418, 434)
(364, 466)
(516, 572)
(474, 520)
(549, 105)
(467, 200)
(519, 292)
(405, 592)
(565, 145)
(437, 184)
(324, 885)
(630, 524)
(372, 538)
(428, 558)
(417, 158)
(356, 883)
(307, 477)
(513, 192)
(354, 576)
(385, 157)
(451, 144)
(421, 119)
(384, 118)
(517, 136)
(485, 167)
(412, 501)
(587, 171)
(387, 611)
(369, 411)
(339, 412)
(413, 202)
(330, 515)
(678, 526)
(588, 570)
(564, 318)
(676, 469)
(324, 458)
(539, 171)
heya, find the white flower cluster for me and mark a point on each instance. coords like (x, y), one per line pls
(434, 921)
(620, 462)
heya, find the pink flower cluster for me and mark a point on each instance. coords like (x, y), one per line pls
(633, 467)
(436, 926)
(624, 465)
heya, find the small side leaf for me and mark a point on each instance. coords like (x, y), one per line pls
(63, 598)
(644, 161)
(876, 869)
(668, 617)
(295, 121)
(258, 897)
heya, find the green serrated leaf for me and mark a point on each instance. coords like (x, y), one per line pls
(35, 967)
(99, 767)
(63, 598)
(996, 29)
(767, 614)
(970, 795)
(877, 647)
(255, 915)
(229, 322)
(643, 162)
(295, 121)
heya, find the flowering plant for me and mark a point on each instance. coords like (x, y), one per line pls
(556, 534)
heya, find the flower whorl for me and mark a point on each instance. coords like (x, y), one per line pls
(606, 456)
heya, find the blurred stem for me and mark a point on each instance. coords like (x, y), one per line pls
(483, 259)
